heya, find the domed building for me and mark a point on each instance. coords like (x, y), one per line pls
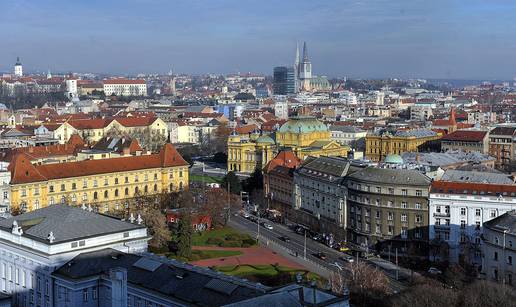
(304, 136)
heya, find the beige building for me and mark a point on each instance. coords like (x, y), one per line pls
(466, 140)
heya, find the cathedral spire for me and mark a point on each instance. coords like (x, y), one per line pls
(296, 63)
(305, 53)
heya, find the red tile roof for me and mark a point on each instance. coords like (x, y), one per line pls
(22, 171)
(96, 123)
(246, 129)
(74, 144)
(473, 188)
(284, 158)
(466, 135)
(135, 121)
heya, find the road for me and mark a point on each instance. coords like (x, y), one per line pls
(271, 238)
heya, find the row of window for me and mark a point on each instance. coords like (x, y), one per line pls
(379, 190)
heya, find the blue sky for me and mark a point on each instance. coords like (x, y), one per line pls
(468, 39)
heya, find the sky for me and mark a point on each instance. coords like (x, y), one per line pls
(452, 39)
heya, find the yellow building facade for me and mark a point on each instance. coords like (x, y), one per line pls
(379, 145)
(108, 184)
(305, 136)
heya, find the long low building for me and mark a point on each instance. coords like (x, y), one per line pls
(106, 183)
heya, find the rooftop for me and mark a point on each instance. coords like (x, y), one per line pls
(504, 222)
(476, 177)
(179, 281)
(391, 176)
(465, 136)
(66, 223)
(302, 125)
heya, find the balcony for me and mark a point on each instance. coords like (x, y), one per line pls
(442, 227)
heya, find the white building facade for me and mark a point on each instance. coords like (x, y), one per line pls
(125, 87)
(458, 212)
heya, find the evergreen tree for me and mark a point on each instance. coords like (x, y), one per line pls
(184, 238)
(234, 183)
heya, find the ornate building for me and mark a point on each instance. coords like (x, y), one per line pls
(383, 143)
(305, 136)
(106, 183)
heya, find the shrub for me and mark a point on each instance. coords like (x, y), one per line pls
(233, 237)
(248, 242)
(215, 241)
(231, 244)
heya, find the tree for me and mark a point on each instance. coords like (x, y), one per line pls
(488, 294)
(426, 294)
(215, 204)
(255, 181)
(220, 140)
(234, 183)
(184, 235)
(366, 283)
(155, 221)
(337, 282)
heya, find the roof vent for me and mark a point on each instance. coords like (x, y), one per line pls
(131, 218)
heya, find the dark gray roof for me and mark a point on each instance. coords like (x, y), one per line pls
(504, 222)
(66, 223)
(349, 129)
(391, 176)
(476, 177)
(503, 130)
(179, 281)
(290, 296)
(325, 167)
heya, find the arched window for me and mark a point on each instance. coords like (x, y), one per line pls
(106, 194)
(135, 190)
(181, 185)
(116, 192)
(155, 188)
(146, 189)
(95, 196)
(171, 187)
(126, 191)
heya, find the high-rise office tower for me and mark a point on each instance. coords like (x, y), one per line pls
(284, 80)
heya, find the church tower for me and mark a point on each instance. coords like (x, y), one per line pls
(18, 69)
(305, 70)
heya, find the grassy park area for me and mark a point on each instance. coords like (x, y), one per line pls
(223, 237)
(270, 275)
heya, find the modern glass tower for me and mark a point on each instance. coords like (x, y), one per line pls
(284, 80)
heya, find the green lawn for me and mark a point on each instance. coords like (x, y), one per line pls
(201, 238)
(207, 179)
(267, 274)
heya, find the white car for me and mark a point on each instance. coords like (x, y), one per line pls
(268, 226)
(246, 215)
(434, 271)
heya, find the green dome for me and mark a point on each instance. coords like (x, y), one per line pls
(265, 139)
(394, 159)
(303, 125)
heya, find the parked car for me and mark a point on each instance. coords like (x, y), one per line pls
(246, 215)
(284, 239)
(320, 255)
(347, 258)
(268, 226)
(434, 271)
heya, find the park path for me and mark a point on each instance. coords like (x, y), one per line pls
(250, 255)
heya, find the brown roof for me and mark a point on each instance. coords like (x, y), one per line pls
(246, 129)
(22, 171)
(466, 135)
(284, 158)
(473, 188)
(96, 123)
(37, 152)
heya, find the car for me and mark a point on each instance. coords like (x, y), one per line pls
(320, 255)
(268, 226)
(347, 258)
(285, 239)
(434, 271)
(246, 215)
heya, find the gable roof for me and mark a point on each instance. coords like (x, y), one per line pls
(284, 158)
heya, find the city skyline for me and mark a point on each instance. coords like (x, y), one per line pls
(374, 39)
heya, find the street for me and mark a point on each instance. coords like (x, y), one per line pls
(296, 244)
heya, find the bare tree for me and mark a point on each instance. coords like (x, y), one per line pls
(487, 294)
(337, 282)
(156, 222)
(426, 294)
(366, 282)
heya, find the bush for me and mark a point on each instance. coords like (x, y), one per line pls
(248, 242)
(231, 244)
(233, 237)
(215, 241)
